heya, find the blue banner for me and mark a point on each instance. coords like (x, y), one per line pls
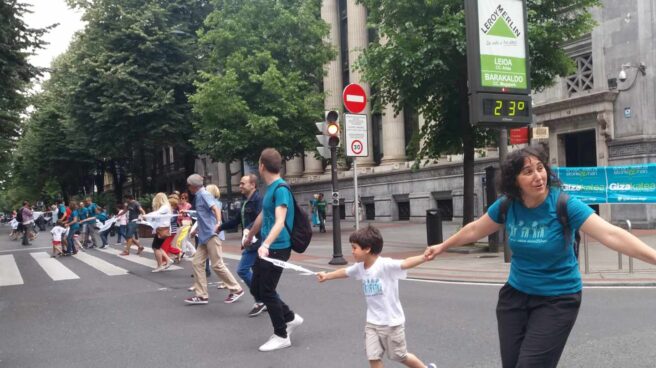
(610, 184)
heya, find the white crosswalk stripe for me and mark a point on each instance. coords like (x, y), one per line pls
(236, 257)
(9, 273)
(55, 269)
(101, 265)
(137, 259)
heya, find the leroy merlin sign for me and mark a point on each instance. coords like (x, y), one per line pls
(502, 44)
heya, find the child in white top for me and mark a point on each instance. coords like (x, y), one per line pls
(58, 232)
(384, 331)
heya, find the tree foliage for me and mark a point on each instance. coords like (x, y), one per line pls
(17, 43)
(261, 86)
(423, 64)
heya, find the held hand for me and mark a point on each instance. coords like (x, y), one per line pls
(321, 276)
(248, 239)
(431, 252)
(263, 251)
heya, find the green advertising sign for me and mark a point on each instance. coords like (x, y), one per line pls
(502, 44)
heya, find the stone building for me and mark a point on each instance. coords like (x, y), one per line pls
(594, 118)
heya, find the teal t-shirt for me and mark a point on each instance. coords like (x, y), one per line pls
(283, 197)
(75, 226)
(540, 263)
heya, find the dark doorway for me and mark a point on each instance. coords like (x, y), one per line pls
(446, 209)
(581, 149)
(370, 211)
(404, 210)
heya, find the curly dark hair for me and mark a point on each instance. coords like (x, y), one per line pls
(512, 166)
(368, 238)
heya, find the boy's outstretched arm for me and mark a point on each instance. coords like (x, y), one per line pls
(337, 274)
(411, 262)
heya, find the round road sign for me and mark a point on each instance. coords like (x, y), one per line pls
(355, 99)
(357, 147)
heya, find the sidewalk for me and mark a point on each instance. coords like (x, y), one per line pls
(403, 239)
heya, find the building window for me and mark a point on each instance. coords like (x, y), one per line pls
(404, 210)
(582, 80)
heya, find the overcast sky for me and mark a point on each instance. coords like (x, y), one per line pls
(47, 12)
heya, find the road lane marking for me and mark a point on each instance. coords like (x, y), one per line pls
(100, 264)
(55, 269)
(150, 263)
(9, 273)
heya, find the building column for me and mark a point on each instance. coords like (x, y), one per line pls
(332, 81)
(358, 40)
(393, 136)
(235, 167)
(221, 166)
(312, 165)
(294, 168)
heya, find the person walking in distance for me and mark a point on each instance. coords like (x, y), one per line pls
(276, 217)
(209, 245)
(134, 210)
(250, 208)
(321, 210)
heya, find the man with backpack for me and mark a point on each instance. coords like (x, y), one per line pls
(274, 224)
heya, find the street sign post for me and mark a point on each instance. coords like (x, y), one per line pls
(355, 99)
(357, 145)
(497, 63)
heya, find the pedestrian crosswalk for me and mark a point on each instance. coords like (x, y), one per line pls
(9, 273)
(58, 269)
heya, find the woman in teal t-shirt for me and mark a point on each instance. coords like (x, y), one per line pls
(539, 304)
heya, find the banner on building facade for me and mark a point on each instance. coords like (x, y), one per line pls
(610, 184)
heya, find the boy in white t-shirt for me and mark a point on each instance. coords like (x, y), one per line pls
(57, 235)
(384, 331)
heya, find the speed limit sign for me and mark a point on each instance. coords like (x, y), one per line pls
(356, 133)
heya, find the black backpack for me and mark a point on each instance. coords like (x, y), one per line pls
(19, 215)
(561, 212)
(301, 231)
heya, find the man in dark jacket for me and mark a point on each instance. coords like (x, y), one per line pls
(250, 208)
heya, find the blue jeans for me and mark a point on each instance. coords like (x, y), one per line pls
(103, 237)
(70, 244)
(122, 229)
(246, 262)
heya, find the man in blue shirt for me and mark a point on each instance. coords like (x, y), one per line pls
(277, 211)
(209, 220)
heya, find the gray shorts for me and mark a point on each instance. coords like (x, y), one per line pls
(381, 339)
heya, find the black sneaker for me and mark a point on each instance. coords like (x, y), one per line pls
(196, 300)
(258, 308)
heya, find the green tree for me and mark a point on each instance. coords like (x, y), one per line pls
(423, 65)
(261, 86)
(135, 66)
(17, 43)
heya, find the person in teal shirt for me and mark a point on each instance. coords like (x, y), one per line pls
(276, 218)
(538, 306)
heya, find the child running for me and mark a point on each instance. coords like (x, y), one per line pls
(384, 331)
(58, 233)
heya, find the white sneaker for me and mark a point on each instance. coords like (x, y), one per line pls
(167, 265)
(158, 269)
(431, 365)
(291, 325)
(276, 342)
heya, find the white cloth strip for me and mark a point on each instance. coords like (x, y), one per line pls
(354, 98)
(9, 273)
(100, 264)
(291, 266)
(151, 263)
(55, 269)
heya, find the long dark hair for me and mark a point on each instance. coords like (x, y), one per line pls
(512, 166)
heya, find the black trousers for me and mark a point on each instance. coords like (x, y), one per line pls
(263, 287)
(533, 329)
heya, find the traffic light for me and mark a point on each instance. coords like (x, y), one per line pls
(329, 136)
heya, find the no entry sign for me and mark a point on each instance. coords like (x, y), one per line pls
(355, 99)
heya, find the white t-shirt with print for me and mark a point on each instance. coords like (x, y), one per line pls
(380, 285)
(57, 232)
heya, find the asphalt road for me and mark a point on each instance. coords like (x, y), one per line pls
(139, 319)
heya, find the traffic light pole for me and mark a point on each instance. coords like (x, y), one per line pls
(338, 258)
